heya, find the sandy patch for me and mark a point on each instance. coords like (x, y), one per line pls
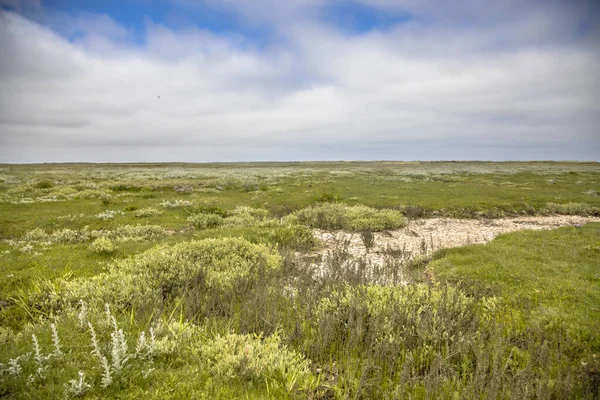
(422, 237)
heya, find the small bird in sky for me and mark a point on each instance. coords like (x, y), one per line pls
(158, 97)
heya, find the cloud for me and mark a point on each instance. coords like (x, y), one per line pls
(506, 88)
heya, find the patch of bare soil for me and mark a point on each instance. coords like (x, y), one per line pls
(422, 237)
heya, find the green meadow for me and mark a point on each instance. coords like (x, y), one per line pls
(162, 281)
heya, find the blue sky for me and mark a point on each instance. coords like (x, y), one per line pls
(299, 80)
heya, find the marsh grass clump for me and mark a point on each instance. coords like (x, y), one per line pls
(355, 218)
(572, 209)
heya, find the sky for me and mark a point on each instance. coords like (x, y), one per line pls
(261, 80)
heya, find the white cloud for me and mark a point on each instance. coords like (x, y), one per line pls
(407, 92)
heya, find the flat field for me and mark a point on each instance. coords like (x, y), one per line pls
(235, 280)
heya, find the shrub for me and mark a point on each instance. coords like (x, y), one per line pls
(209, 209)
(132, 232)
(205, 221)
(108, 214)
(147, 212)
(413, 211)
(175, 204)
(356, 218)
(394, 317)
(44, 184)
(244, 216)
(252, 357)
(258, 213)
(103, 246)
(121, 233)
(161, 273)
(105, 198)
(363, 218)
(328, 198)
(70, 236)
(36, 234)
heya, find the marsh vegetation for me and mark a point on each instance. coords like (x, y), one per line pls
(224, 281)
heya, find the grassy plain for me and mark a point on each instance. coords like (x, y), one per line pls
(129, 275)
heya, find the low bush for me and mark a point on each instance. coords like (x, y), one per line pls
(121, 233)
(205, 221)
(147, 212)
(176, 204)
(163, 273)
(103, 246)
(355, 218)
(254, 358)
(244, 216)
(44, 184)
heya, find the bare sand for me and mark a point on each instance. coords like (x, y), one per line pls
(422, 237)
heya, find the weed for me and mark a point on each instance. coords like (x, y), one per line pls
(368, 239)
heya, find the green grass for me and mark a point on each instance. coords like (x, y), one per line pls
(553, 275)
(454, 189)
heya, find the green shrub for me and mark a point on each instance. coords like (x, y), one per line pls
(244, 216)
(36, 234)
(103, 246)
(132, 232)
(400, 316)
(205, 221)
(176, 204)
(121, 233)
(258, 213)
(328, 198)
(106, 198)
(44, 184)
(252, 357)
(355, 218)
(147, 212)
(209, 209)
(161, 273)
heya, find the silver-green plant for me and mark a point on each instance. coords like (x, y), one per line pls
(55, 341)
(77, 387)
